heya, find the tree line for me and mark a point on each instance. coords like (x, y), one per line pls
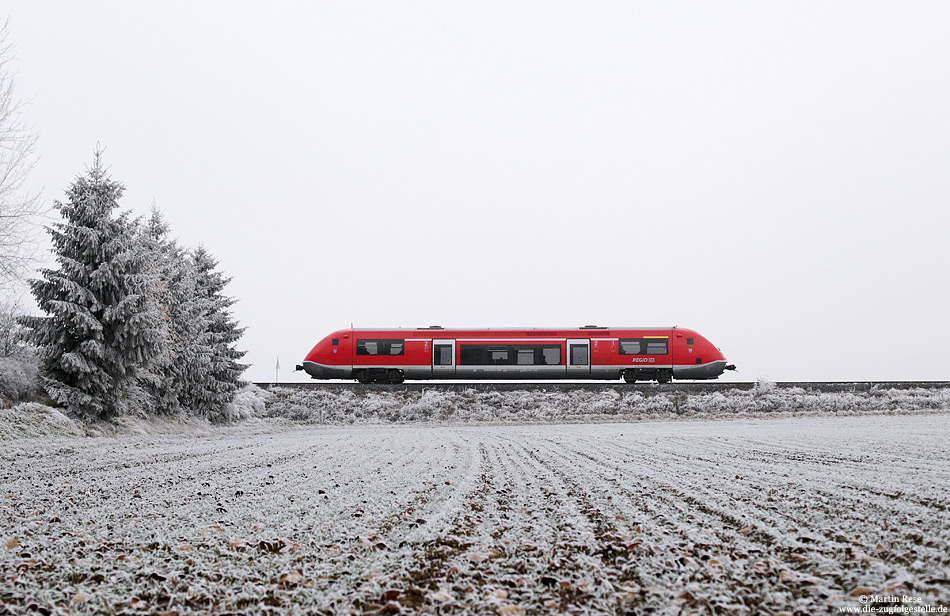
(134, 323)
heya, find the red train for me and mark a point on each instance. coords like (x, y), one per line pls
(589, 352)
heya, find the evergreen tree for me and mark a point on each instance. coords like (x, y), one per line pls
(214, 370)
(171, 293)
(102, 331)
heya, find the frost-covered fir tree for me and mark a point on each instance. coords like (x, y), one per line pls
(101, 332)
(215, 374)
(172, 292)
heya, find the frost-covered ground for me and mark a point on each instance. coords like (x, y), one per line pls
(754, 516)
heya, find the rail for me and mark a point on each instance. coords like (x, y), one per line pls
(825, 386)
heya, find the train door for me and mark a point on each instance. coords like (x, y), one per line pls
(578, 358)
(443, 358)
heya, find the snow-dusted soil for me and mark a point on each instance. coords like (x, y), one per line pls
(742, 517)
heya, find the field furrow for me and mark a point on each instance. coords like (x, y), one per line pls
(709, 517)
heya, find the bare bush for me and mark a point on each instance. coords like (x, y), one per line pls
(19, 209)
(19, 366)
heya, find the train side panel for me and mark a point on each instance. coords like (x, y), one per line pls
(647, 350)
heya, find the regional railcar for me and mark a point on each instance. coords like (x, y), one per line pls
(590, 352)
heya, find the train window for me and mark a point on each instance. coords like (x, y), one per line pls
(644, 346)
(579, 355)
(443, 355)
(510, 355)
(469, 355)
(336, 342)
(630, 347)
(689, 341)
(381, 347)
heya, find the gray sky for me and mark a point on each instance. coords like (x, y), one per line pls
(773, 175)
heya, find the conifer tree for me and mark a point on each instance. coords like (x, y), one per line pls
(215, 371)
(101, 332)
(171, 292)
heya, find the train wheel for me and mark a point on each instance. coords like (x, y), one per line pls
(396, 376)
(664, 376)
(630, 376)
(364, 377)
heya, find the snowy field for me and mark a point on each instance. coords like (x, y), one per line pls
(753, 516)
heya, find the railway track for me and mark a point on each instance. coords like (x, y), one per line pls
(825, 386)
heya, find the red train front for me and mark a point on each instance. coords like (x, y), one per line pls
(590, 352)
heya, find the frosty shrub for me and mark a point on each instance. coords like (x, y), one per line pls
(606, 402)
(249, 402)
(19, 365)
(425, 408)
(348, 406)
(19, 378)
(295, 405)
(656, 406)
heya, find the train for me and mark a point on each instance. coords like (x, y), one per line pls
(633, 354)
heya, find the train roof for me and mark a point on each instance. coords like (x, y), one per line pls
(527, 330)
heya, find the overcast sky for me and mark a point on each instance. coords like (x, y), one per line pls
(773, 175)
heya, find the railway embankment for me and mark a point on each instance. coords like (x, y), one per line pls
(486, 403)
(565, 402)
